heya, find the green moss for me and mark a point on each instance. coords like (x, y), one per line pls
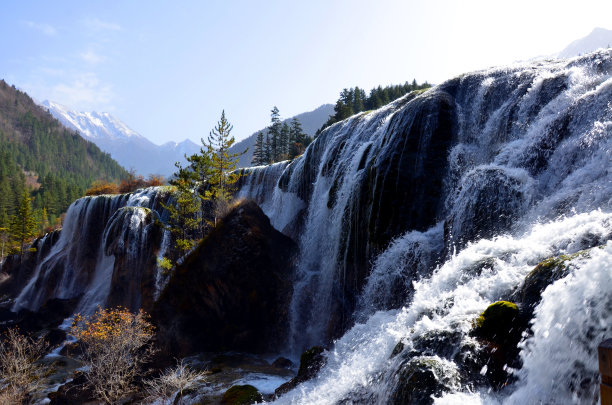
(497, 311)
(420, 91)
(499, 321)
(544, 274)
(241, 395)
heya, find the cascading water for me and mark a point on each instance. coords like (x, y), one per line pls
(97, 232)
(360, 366)
(398, 214)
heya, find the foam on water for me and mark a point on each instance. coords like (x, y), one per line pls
(457, 292)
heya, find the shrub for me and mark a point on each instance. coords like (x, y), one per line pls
(171, 384)
(19, 367)
(102, 187)
(116, 345)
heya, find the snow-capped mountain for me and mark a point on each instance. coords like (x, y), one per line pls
(125, 145)
(598, 38)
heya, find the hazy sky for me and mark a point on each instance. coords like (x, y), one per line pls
(167, 69)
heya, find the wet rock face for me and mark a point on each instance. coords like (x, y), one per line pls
(488, 200)
(45, 320)
(400, 188)
(232, 292)
(422, 378)
(133, 248)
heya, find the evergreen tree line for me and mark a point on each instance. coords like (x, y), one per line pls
(281, 141)
(355, 100)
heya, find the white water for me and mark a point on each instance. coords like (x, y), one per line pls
(454, 296)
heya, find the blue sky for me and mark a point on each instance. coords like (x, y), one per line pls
(167, 69)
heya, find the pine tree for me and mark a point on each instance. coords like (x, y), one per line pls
(268, 149)
(44, 221)
(184, 220)
(259, 151)
(274, 133)
(4, 232)
(284, 142)
(22, 224)
(298, 139)
(222, 182)
(359, 98)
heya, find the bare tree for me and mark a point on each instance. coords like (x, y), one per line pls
(171, 384)
(116, 345)
(19, 367)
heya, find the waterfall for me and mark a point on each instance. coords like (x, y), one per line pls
(101, 255)
(413, 218)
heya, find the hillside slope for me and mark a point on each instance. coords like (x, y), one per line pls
(39, 154)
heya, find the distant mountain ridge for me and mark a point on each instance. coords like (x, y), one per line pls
(133, 150)
(125, 145)
(311, 121)
(598, 38)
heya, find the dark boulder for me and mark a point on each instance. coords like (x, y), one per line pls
(232, 292)
(75, 392)
(241, 395)
(422, 378)
(545, 273)
(499, 328)
(311, 361)
(282, 362)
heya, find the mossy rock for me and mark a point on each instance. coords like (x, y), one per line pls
(545, 273)
(498, 321)
(500, 328)
(422, 378)
(241, 395)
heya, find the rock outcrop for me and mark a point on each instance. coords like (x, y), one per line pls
(232, 292)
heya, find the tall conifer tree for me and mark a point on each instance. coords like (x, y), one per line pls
(222, 182)
(22, 224)
(274, 133)
(259, 151)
